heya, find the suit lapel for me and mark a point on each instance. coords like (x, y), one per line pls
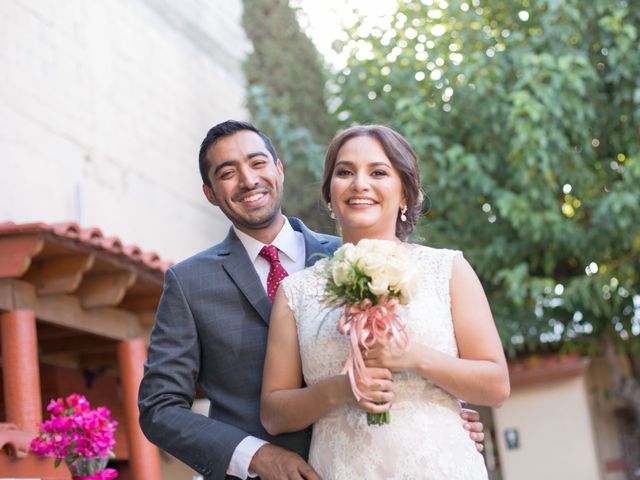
(240, 269)
(242, 272)
(316, 247)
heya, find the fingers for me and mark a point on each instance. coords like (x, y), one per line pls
(378, 397)
(308, 473)
(375, 379)
(476, 430)
(373, 407)
(387, 356)
(378, 390)
(374, 363)
(469, 414)
(380, 373)
(272, 462)
(375, 352)
(474, 427)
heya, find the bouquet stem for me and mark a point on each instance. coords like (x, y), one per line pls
(378, 418)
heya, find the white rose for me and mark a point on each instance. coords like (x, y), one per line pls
(372, 255)
(341, 272)
(384, 247)
(406, 293)
(344, 252)
(373, 264)
(396, 272)
(409, 284)
(349, 252)
(379, 285)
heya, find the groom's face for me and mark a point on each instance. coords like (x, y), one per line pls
(246, 182)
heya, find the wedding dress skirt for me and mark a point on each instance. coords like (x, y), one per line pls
(425, 438)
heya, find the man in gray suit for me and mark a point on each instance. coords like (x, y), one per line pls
(212, 321)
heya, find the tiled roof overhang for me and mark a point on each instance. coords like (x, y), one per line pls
(78, 278)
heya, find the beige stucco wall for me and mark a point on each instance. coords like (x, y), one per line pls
(555, 429)
(603, 406)
(103, 105)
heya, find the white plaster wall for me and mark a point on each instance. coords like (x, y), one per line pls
(103, 105)
(555, 430)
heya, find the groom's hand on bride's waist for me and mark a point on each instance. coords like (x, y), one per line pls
(475, 427)
(271, 462)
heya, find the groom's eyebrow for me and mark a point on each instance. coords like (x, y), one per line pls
(228, 163)
(259, 153)
(233, 163)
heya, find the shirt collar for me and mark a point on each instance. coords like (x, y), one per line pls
(285, 241)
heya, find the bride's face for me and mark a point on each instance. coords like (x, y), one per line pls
(366, 191)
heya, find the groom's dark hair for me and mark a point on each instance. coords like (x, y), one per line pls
(222, 130)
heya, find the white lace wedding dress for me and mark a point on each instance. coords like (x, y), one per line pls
(425, 438)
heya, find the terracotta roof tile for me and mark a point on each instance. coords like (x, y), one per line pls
(112, 243)
(92, 237)
(89, 234)
(133, 251)
(537, 369)
(14, 441)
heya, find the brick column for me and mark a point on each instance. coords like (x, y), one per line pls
(144, 459)
(21, 373)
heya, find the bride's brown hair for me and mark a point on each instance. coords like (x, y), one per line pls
(402, 157)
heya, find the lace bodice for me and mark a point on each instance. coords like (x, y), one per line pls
(343, 445)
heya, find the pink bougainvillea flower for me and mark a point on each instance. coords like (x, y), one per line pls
(81, 437)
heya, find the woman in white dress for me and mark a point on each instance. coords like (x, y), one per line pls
(372, 185)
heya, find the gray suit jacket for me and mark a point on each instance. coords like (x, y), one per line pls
(211, 330)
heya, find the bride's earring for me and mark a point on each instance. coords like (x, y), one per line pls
(403, 216)
(331, 214)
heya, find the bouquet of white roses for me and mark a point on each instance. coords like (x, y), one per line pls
(369, 280)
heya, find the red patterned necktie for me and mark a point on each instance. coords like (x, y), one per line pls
(276, 272)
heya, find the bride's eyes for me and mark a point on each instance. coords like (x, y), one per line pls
(345, 172)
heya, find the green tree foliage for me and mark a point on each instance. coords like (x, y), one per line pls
(302, 156)
(286, 64)
(286, 99)
(526, 117)
(526, 120)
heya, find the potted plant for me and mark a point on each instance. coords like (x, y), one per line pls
(80, 436)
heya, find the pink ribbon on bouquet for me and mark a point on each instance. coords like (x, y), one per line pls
(366, 324)
(106, 474)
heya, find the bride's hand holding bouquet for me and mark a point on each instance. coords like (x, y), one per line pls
(369, 281)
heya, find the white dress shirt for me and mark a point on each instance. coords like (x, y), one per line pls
(292, 257)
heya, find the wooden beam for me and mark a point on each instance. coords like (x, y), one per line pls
(66, 311)
(141, 303)
(105, 290)
(60, 274)
(147, 318)
(47, 331)
(95, 360)
(76, 344)
(16, 253)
